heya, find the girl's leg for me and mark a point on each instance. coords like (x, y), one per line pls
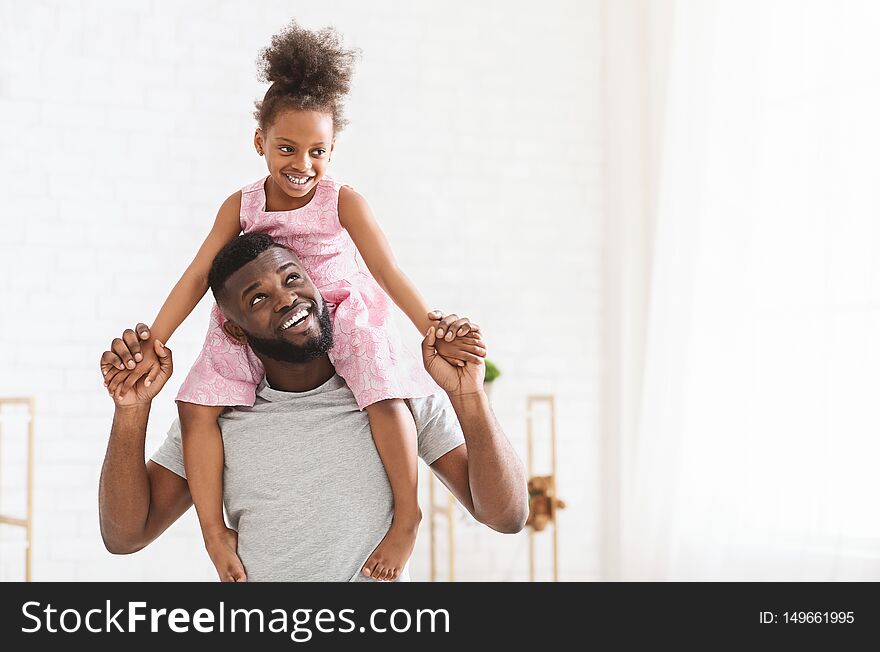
(203, 461)
(394, 433)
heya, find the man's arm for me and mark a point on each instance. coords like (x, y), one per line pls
(484, 474)
(136, 501)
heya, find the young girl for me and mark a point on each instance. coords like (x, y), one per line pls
(325, 223)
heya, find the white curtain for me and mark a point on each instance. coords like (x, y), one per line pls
(755, 440)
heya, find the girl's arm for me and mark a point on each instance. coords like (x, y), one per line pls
(194, 283)
(357, 218)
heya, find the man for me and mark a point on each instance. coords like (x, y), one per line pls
(304, 488)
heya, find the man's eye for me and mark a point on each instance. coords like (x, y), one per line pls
(257, 298)
(293, 277)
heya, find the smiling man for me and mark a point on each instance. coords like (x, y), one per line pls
(304, 487)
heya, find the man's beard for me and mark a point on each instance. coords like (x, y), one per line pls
(280, 349)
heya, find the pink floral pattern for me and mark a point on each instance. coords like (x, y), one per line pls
(367, 350)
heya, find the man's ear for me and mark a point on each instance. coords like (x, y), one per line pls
(235, 331)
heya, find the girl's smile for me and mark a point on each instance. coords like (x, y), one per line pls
(299, 180)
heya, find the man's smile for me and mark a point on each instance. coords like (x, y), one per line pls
(296, 320)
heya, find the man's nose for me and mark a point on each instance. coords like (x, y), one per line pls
(284, 299)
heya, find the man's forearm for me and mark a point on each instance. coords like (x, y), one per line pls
(498, 483)
(124, 490)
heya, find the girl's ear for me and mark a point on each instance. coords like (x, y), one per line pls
(234, 331)
(330, 153)
(258, 141)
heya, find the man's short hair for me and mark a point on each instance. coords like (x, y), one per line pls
(235, 255)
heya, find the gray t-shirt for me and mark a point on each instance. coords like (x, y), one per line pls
(303, 483)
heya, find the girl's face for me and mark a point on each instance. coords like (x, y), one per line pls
(297, 147)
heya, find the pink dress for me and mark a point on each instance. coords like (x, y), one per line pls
(367, 351)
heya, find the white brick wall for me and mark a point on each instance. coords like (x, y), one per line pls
(474, 134)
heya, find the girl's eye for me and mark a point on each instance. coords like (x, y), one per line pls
(257, 298)
(319, 152)
(293, 277)
(287, 149)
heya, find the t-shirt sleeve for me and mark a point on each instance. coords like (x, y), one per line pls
(170, 453)
(438, 428)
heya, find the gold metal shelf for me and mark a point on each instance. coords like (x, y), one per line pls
(27, 522)
(449, 512)
(543, 502)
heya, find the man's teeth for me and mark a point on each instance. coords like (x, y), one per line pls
(300, 181)
(302, 314)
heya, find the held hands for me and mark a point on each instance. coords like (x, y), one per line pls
(456, 361)
(120, 365)
(132, 362)
(448, 333)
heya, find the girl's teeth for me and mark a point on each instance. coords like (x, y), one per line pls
(300, 181)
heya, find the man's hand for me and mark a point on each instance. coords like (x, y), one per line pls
(455, 380)
(115, 368)
(451, 326)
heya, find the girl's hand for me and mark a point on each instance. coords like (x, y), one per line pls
(459, 351)
(456, 380)
(451, 326)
